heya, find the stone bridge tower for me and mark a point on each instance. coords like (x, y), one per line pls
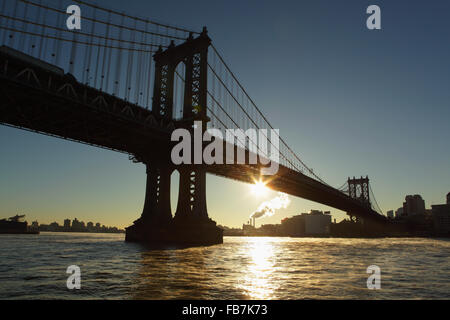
(191, 224)
(358, 188)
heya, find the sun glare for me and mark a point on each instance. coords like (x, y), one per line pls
(259, 188)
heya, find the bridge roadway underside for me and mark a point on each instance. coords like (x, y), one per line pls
(64, 108)
(63, 116)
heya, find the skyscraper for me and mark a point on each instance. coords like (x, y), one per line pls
(67, 224)
(413, 205)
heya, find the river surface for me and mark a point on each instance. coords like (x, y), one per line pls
(34, 267)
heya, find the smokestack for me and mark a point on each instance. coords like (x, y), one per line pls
(268, 208)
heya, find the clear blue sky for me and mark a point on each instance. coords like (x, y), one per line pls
(348, 100)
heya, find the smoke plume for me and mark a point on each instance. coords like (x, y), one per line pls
(268, 208)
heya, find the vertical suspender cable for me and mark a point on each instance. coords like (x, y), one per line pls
(143, 81)
(130, 64)
(43, 40)
(87, 69)
(58, 44)
(119, 62)
(109, 65)
(23, 37)
(73, 53)
(150, 77)
(104, 52)
(97, 67)
(138, 84)
(13, 24)
(36, 30)
(5, 22)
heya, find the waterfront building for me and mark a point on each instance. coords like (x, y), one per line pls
(317, 223)
(390, 214)
(293, 226)
(54, 226)
(76, 226)
(67, 224)
(307, 224)
(441, 217)
(399, 213)
(413, 205)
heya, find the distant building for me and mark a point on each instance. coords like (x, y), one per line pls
(248, 229)
(317, 223)
(448, 198)
(76, 225)
(67, 224)
(398, 213)
(54, 226)
(390, 214)
(413, 205)
(231, 231)
(307, 224)
(293, 226)
(269, 230)
(441, 217)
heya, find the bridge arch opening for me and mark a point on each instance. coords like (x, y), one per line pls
(174, 190)
(178, 90)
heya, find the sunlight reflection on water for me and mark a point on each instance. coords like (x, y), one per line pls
(256, 282)
(34, 267)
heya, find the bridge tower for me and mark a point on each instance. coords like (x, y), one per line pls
(358, 188)
(191, 223)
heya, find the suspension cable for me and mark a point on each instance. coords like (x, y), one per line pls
(181, 78)
(376, 203)
(73, 41)
(135, 18)
(79, 32)
(226, 113)
(104, 22)
(251, 119)
(262, 115)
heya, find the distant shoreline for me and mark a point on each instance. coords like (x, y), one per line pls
(343, 237)
(115, 232)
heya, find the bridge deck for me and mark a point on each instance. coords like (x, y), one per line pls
(38, 99)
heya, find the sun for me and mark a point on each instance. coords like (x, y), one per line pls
(259, 188)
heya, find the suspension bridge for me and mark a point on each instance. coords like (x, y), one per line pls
(125, 83)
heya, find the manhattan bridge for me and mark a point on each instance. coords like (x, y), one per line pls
(125, 83)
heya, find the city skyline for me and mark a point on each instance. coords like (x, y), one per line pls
(262, 221)
(396, 134)
(76, 225)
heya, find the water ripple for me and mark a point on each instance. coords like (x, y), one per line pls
(34, 267)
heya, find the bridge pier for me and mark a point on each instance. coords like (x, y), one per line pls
(191, 225)
(184, 206)
(157, 194)
(191, 219)
(192, 194)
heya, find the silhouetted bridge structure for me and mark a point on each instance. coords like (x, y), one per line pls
(94, 86)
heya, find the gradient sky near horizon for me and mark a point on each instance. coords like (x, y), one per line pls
(348, 100)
